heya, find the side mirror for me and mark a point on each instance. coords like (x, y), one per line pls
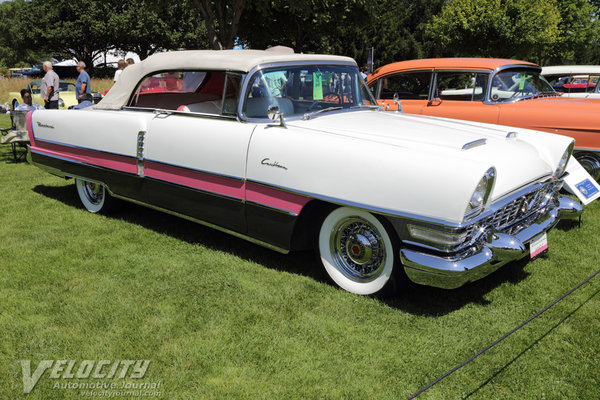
(273, 113)
(397, 103)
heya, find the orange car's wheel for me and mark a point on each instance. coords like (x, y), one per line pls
(591, 163)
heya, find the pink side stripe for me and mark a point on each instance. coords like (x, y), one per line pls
(216, 184)
(275, 197)
(198, 180)
(106, 160)
(30, 128)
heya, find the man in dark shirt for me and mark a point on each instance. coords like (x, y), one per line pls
(83, 82)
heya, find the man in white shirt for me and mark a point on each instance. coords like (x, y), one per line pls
(49, 87)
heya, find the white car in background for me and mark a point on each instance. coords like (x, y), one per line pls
(291, 151)
(578, 81)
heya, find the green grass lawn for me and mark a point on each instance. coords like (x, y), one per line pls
(222, 318)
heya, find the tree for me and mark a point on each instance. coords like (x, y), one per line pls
(19, 46)
(221, 18)
(145, 27)
(525, 29)
(79, 28)
(579, 41)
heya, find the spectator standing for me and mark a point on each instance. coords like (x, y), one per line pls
(27, 102)
(130, 61)
(120, 66)
(364, 73)
(82, 86)
(49, 89)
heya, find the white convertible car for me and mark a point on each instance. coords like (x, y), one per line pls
(292, 152)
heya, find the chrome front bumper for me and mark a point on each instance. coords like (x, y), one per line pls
(498, 249)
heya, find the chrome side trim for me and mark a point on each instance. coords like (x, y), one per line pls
(140, 153)
(474, 143)
(499, 203)
(165, 113)
(266, 206)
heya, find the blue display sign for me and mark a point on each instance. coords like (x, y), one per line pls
(587, 188)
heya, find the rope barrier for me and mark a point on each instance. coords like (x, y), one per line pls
(436, 381)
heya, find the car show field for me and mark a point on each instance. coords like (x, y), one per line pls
(223, 318)
(300, 200)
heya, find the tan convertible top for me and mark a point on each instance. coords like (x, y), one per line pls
(230, 60)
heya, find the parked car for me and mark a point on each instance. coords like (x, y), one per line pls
(505, 92)
(291, 151)
(17, 72)
(579, 81)
(67, 99)
(66, 90)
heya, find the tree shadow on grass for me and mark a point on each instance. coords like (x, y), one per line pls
(414, 299)
(303, 262)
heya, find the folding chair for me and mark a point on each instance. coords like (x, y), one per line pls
(17, 135)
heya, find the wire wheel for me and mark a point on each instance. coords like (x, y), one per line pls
(356, 250)
(93, 196)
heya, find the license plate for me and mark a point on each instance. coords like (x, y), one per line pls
(538, 245)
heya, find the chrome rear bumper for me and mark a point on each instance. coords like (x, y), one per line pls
(498, 249)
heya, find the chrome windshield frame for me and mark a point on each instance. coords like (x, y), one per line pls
(247, 78)
(493, 74)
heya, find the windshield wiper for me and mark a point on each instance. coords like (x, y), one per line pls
(366, 106)
(309, 115)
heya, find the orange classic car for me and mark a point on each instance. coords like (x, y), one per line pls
(497, 91)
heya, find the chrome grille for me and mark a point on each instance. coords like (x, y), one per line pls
(520, 208)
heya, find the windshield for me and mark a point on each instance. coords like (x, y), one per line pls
(514, 84)
(303, 90)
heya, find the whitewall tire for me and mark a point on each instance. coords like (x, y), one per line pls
(93, 196)
(356, 250)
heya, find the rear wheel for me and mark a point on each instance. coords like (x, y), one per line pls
(93, 196)
(357, 251)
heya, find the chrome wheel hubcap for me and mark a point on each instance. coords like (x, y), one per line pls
(94, 192)
(358, 249)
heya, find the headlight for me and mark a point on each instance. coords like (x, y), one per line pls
(481, 194)
(61, 103)
(444, 240)
(564, 160)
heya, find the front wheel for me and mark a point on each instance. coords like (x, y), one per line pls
(93, 196)
(356, 251)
